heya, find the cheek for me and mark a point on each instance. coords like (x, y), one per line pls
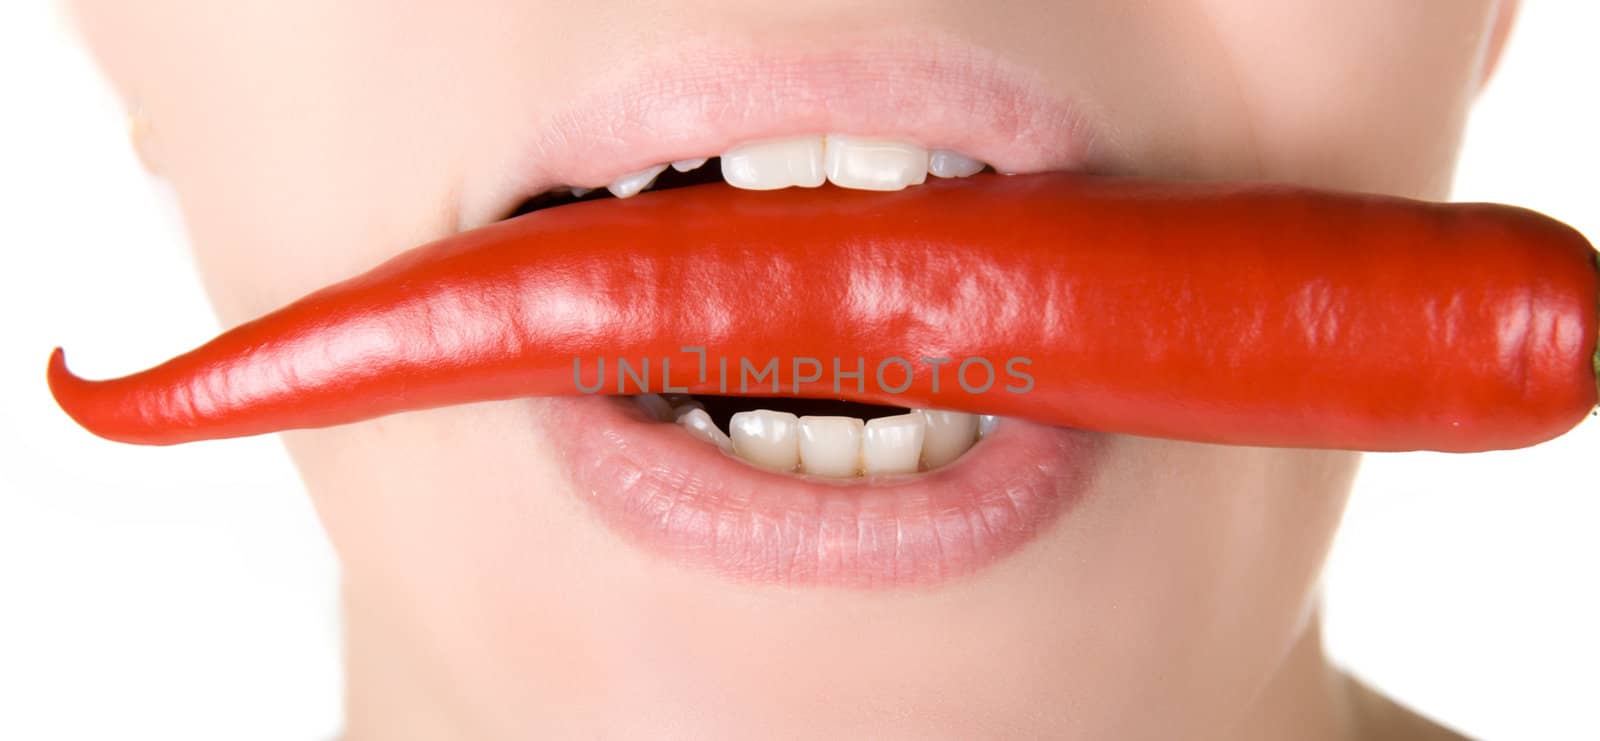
(1367, 94)
(1198, 567)
(1232, 537)
(434, 500)
(306, 140)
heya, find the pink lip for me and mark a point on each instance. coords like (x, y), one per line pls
(687, 500)
(704, 96)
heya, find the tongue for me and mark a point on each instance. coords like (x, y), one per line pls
(1218, 313)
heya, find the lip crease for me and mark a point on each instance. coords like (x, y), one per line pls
(700, 97)
(686, 500)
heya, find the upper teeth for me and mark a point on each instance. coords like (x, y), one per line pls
(845, 160)
(689, 164)
(830, 446)
(632, 183)
(873, 164)
(947, 164)
(775, 164)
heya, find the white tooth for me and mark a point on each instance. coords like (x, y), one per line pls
(893, 444)
(580, 192)
(684, 407)
(630, 184)
(687, 165)
(766, 438)
(830, 446)
(874, 164)
(779, 163)
(947, 164)
(699, 424)
(654, 407)
(949, 435)
(986, 424)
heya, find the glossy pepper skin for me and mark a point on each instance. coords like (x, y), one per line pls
(1261, 315)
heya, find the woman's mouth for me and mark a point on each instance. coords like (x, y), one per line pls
(804, 490)
(814, 491)
(820, 438)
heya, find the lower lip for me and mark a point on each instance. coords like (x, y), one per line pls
(688, 501)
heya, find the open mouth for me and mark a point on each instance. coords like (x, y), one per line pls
(834, 438)
(806, 490)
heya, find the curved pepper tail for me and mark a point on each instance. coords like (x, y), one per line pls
(71, 394)
(86, 403)
(69, 390)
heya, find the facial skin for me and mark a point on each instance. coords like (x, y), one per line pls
(310, 140)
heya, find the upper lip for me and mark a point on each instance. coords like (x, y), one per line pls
(937, 92)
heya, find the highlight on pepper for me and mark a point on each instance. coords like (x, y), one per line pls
(1365, 322)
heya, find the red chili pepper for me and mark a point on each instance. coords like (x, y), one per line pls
(1260, 315)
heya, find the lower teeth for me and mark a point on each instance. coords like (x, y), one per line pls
(828, 445)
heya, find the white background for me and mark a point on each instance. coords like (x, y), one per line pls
(188, 593)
